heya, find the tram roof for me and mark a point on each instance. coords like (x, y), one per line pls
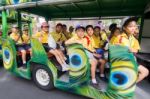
(78, 8)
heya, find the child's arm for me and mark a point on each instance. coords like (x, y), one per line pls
(17, 38)
(72, 41)
(133, 50)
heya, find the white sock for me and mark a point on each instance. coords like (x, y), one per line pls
(94, 81)
(65, 58)
(65, 67)
(102, 75)
(24, 62)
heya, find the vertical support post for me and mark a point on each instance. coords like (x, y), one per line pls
(30, 26)
(141, 28)
(19, 21)
(4, 24)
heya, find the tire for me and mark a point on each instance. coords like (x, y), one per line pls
(38, 74)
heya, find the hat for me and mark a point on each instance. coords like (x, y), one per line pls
(44, 24)
(15, 26)
(80, 27)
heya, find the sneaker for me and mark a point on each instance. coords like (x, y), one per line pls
(24, 66)
(96, 86)
(104, 79)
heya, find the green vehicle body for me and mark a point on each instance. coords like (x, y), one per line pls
(79, 77)
(122, 65)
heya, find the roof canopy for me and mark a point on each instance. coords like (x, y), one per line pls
(79, 8)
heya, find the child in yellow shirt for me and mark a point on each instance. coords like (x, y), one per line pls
(43, 38)
(79, 38)
(132, 43)
(115, 36)
(19, 43)
(95, 52)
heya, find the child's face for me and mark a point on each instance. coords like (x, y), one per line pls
(80, 33)
(117, 32)
(15, 30)
(25, 32)
(90, 31)
(131, 28)
(45, 28)
(97, 31)
(58, 29)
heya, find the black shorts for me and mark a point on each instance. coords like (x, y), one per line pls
(20, 47)
(46, 47)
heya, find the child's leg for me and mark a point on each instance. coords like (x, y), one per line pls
(30, 52)
(143, 72)
(60, 58)
(23, 52)
(102, 67)
(28, 47)
(56, 54)
(93, 63)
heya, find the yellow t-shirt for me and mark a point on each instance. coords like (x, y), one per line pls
(75, 38)
(58, 37)
(68, 35)
(26, 38)
(42, 36)
(103, 35)
(90, 43)
(131, 41)
(114, 40)
(15, 36)
(97, 41)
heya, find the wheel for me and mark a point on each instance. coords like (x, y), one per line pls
(42, 77)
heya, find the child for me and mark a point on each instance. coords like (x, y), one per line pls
(97, 53)
(43, 38)
(115, 36)
(132, 43)
(19, 43)
(79, 38)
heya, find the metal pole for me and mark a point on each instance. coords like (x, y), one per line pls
(4, 24)
(141, 29)
(30, 26)
(19, 22)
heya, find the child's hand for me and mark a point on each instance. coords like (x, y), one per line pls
(97, 55)
(117, 44)
(79, 41)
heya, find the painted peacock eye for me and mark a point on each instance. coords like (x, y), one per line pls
(6, 53)
(76, 60)
(16, 1)
(119, 78)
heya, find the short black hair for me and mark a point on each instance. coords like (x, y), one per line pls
(64, 25)
(59, 24)
(112, 26)
(97, 27)
(130, 20)
(114, 29)
(89, 26)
